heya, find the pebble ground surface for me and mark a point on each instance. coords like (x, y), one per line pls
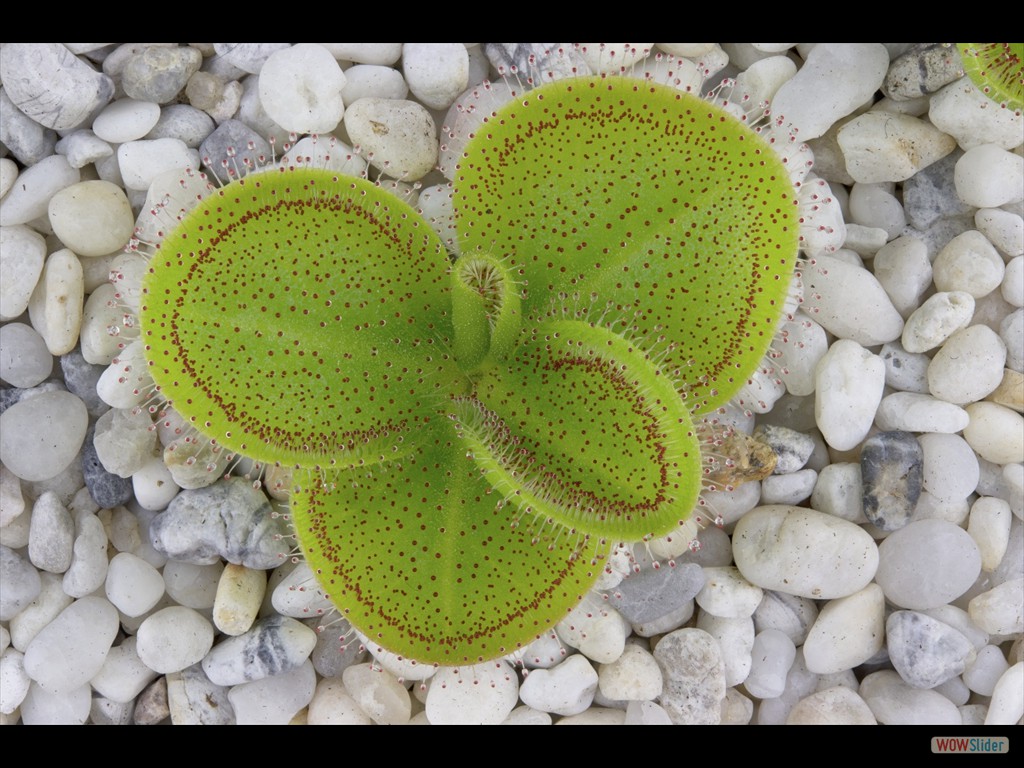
(876, 576)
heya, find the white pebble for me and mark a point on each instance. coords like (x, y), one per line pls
(89, 562)
(194, 586)
(763, 78)
(596, 629)
(968, 366)
(482, 694)
(397, 136)
(51, 534)
(988, 177)
(82, 148)
(366, 53)
(126, 120)
(24, 359)
(174, 638)
(28, 199)
(727, 594)
(882, 146)
(835, 79)
(950, 468)
(123, 676)
(70, 650)
(848, 632)
(893, 702)
(126, 382)
(995, 432)
(968, 263)
(14, 681)
(913, 412)
(849, 382)
(803, 552)
(299, 595)
(124, 440)
(41, 707)
(972, 118)
(378, 693)
(874, 205)
(55, 307)
(8, 174)
(982, 674)
(436, 72)
(1011, 331)
(849, 302)
(1005, 230)
(300, 89)
(274, 700)
(566, 689)
(40, 436)
(926, 564)
(634, 676)
(22, 253)
(735, 638)
(1000, 610)
(92, 218)
(142, 161)
(801, 344)
(133, 585)
(791, 488)
(839, 491)
(1007, 703)
(833, 706)
(333, 705)
(941, 315)
(771, 657)
(372, 81)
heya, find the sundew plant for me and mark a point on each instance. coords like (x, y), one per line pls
(474, 426)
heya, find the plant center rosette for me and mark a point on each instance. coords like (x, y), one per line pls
(471, 437)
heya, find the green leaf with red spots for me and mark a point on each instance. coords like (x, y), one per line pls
(647, 198)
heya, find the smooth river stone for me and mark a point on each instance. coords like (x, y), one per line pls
(41, 435)
(694, 677)
(926, 564)
(891, 469)
(803, 552)
(274, 645)
(70, 650)
(847, 632)
(926, 652)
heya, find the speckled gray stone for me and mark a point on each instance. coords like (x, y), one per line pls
(183, 122)
(107, 489)
(926, 652)
(151, 706)
(21, 583)
(27, 140)
(792, 449)
(229, 519)
(274, 645)
(892, 470)
(922, 70)
(235, 135)
(652, 593)
(531, 57)
(80, 377)
(159, 74)
(694, 677)
(930, 194)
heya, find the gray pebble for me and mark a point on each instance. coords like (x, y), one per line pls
(21, 583)
(249, 57)
(545, 56)
(51, 534)
(27, 140)
(926, 652)
(151, 707)
(234, 135)
(80, 377)
(791, 448)
(274, 645)
(892, 470)
(922, 70)
(194, 700)
(12, 395)
(694, 676)
(643, 597)
(159, 74)
(107, 489)
(930, 194)
(229, 519)
(51, 85)
(183, 122)
(337, 647)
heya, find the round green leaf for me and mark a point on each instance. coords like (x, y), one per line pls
(644, 197)
(301, 317)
